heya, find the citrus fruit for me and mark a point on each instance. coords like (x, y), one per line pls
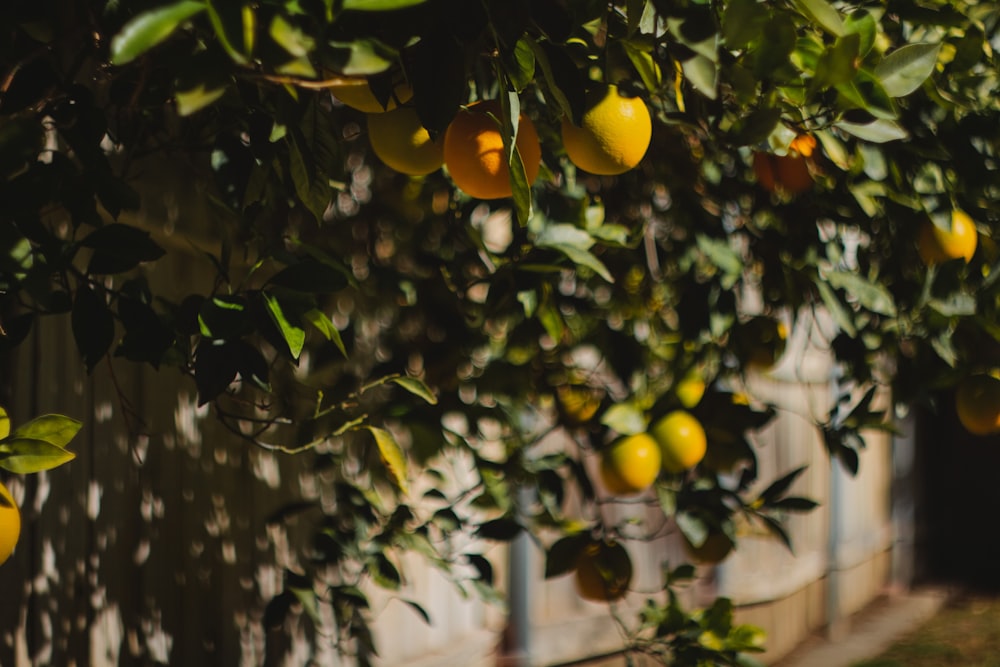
(603, 571)
(713, 550)
(10, 524)
(358, 94)
(690, 389)
(474, 154)
(786, 173)
(630, 464)
(613, 135)
(577, 404)
(401, 141)
(681, 439)
(937, 245)
(760, 342)
(977, 401)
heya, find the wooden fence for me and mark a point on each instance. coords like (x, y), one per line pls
(155, 550)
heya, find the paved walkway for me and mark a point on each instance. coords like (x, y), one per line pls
(870, 631)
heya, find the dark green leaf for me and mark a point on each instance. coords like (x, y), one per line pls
(118, 248)
(420, 610)
(779, 487)
(384, 573)
(483, 567)
(93, 326)
(501, 530)
(742, 22)
(562, 555)
(311, 276)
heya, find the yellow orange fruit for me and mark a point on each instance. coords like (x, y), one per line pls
(603, 571)
(358, 94)
(614, 133)
(977, 401)
(401, 141)
(690, 389)
(937, 245)
(10, 524)
(475, 156)
(630, 465)
(681, 439)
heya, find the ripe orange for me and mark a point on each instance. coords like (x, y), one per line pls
(401, 141)
(716, 547)
(603, 571)
(474, 154)
(937, 245)
(614, 133)
(681, 439)
(358, 94)
(786, 173)
(10, 524)
(690, 389)
(760, 341)
(977, 401)
(631, 464)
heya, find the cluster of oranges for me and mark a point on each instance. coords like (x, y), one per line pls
(612, 138)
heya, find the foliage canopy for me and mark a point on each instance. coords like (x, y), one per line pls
(388, 324)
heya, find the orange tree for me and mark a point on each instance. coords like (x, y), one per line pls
(796, 151)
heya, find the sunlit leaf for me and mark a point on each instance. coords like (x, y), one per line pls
(24, 456)
(149, 29)
(417, 387)
(57, 430)
(392, 456)
(824, 14)
(905, 69)
(293, 334)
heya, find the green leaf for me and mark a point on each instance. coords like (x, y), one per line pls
(742, 22)
(562, 555)
(519, 64)
(363, 57)
(56, 430)
(872, 296)
(293, 335)
(378, 5)
(780, 487)
(641, 56)
(837, 311)
(625, 418)
(234, 25)
(93, 326)
(879, 131)
(197, 98)
(861, 22)
(4, 424)
(392, 456)
(119, 248)
(384, 573)
(838, 63)
(420, 610)
(905, 69)
(318, 319)
(865, 91)
(149, 29)
(309, 601)
(291, 38)
(703, 73)
(721, 255)
(823, 14)
(24, 456)
(417, 387)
